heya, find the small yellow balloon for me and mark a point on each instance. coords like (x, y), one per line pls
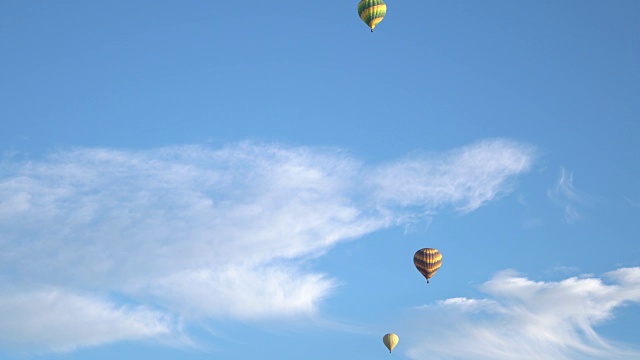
(390, 341)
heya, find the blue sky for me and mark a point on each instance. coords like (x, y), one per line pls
(251, 179)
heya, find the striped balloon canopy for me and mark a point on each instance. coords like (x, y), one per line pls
(372, 12)
(427, 261)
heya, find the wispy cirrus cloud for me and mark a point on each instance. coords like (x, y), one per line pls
(206, 233)
(464, 178)
(565, 195)
(635, 204)
(526, 319)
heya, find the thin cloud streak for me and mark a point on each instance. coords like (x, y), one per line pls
(525, 319)
(161, 225)
(565, 195)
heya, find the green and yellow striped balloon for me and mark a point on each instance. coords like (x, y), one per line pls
(372, 12)
(427, 261)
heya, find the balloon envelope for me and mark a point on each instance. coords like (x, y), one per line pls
(390, 341)
(372, 12)
(427, 261)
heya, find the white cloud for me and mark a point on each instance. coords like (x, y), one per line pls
(206, 232)
(466, 178)
(58, 320)
(525, 319)
(244, 293)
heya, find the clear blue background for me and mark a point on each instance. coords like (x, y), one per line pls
(563, 77)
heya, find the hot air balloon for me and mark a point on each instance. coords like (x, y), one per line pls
(390, 341)
(427, 261)
(372, 12)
